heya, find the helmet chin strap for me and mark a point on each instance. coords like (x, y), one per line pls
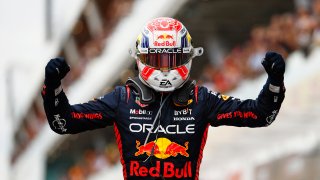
(182, 95)
(146, 94)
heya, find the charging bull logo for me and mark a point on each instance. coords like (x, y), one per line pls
(165, 37)
(162, 148)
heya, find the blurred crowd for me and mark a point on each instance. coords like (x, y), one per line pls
(285, 33)
(92, 162)
(89, 41)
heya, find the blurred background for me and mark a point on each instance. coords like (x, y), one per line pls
(95, 36)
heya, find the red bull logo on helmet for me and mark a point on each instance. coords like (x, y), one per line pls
(165, 37)
(164, 40)
(162, 148)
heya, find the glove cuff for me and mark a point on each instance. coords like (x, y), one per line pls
(52, 84)
(275, 81)
(275, 85)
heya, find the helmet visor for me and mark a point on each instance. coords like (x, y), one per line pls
(165, 59)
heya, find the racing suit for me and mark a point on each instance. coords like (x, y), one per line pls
(175, 144)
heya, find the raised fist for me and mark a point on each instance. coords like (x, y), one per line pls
(274, 65)
(56, 70)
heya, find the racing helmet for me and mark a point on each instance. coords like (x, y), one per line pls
(164, 54)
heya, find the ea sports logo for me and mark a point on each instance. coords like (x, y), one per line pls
(165, 83)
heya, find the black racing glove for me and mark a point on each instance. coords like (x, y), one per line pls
(274, 65)
(56, 70)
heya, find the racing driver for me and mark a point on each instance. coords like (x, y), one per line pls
(161, 118)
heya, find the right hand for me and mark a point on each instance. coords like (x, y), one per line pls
(274, 65)
(56, 70)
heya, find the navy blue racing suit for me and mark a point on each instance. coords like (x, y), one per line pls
(175, 144)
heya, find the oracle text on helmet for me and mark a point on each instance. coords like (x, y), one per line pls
(165, 50)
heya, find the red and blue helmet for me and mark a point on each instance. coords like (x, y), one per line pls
(164, 54)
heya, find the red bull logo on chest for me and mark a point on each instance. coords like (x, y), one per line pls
(169, 170)
(162, 148)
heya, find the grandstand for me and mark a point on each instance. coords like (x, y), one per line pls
(95, 37)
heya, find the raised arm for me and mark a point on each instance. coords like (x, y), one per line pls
(225, 110)
(64, 118)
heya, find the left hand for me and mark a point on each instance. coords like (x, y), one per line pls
(274, 65)
(55, 71)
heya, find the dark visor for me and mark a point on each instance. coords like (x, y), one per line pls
(165, 61)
